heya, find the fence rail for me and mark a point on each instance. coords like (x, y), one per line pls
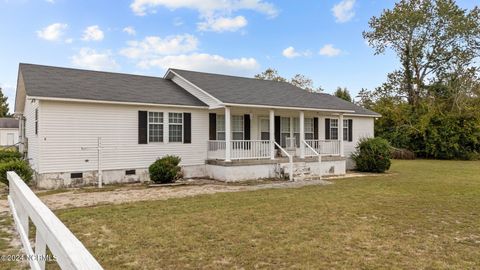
(325, 147)
(240, 149)
(68, 251)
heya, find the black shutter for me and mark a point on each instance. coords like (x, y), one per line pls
(213, 127)
(277, 130)
(327, 128)
(350, 130)
(187, 128)
(246, 126)
(142, 127)
(315, 128)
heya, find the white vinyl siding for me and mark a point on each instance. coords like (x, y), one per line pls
(66, 127)
(9, 136)
(33, 146)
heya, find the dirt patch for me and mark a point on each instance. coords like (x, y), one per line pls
(124, 194)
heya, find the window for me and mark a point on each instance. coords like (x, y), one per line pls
(237, 127)
(36, 121)
(333, 129)
(175, 127)
(221, 127)
(155, 126)
(264, 129)
(309, 129)
(296, 130)
(345, 130)
(284, 130)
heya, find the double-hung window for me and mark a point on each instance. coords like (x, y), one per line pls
(308, 128)
(237, 127)
(333, 129)
(345, 129)
(284, 130)
(175, 127)
(221, 127)
(155, 126)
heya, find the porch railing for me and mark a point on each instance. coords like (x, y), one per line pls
(324, 147)
(240, 149)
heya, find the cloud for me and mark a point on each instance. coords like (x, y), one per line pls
(52, 32)
(93, 32)
(50, 1)
(130, 30)
(204, 7)
(177, 21)
(153, 46)
(290, 52)
(222, 24)
(91, 59)
(343, 11)
(329, 50)
(203, 62)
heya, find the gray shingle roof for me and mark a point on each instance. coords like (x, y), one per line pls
(46, 81)
(240, 90)
(8, 122)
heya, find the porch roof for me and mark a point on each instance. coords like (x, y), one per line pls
(248, 91)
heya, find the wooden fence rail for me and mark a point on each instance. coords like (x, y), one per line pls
(68, 251)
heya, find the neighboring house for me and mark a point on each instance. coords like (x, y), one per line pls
(223, 127)
(8, 131)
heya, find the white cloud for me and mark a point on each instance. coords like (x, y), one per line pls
(52, 32)
(177, 21)
(153, 46)
(93, 32)
(222, 24)
(130, 30)
(329, 50)
(51, 1)
(91, 59)
(343, 11)
(204, 7)
(203, 62)
(290, 52)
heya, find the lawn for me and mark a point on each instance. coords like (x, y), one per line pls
(422, 215)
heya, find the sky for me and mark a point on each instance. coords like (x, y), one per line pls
(320, 39)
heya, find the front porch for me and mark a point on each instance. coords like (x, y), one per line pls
(256, 143)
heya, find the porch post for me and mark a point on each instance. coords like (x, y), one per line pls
(272, 134)
(340, 133)
(302, 134)
(228, 134)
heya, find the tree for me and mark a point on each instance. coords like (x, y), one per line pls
(303, 82)
(271, 75)
(430, 37)
(4, 110)
(343, 93)
(298, 80)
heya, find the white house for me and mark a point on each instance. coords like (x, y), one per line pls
(8, 131)
(223, 127)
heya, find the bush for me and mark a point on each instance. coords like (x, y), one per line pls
(372, 155)
(401, 153)
(21, 167)
(7, 155)
(165, 170)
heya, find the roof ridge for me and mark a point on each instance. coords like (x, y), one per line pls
(90, 70)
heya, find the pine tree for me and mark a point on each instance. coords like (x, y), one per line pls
(4, 110)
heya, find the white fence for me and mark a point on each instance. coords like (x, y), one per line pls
(68, 251)
(324, 147)
(216, 150)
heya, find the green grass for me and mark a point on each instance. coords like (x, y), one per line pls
(425, 215)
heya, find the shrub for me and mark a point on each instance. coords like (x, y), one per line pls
(21, 167)
(372, 155)
(401, 153)
(7, 155)
(165, 170)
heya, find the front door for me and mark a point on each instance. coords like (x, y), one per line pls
(264, 128)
